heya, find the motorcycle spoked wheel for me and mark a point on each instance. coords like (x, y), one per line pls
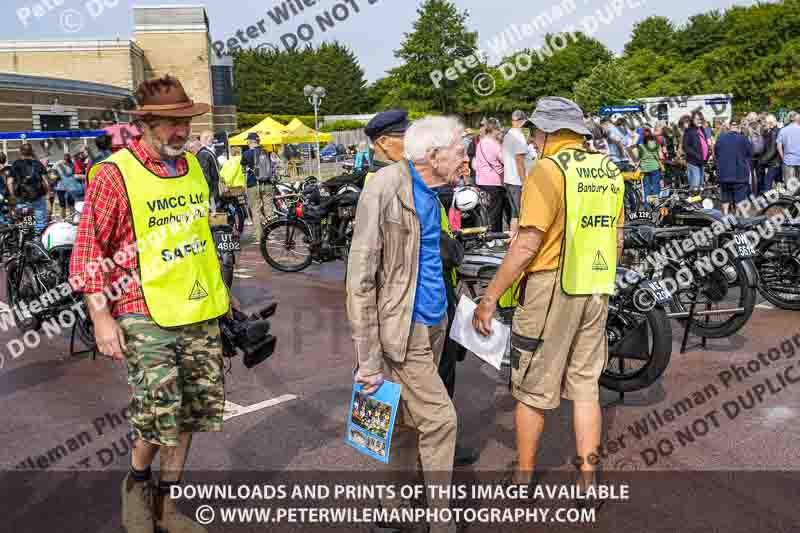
(25, 321)
(778, 266)
(635, 363)
(292, 238)
(718, 291)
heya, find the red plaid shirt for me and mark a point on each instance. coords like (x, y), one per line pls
(107, 227)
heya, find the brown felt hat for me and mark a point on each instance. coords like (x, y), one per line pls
(165, 97)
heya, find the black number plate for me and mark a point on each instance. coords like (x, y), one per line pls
(743, 247)
(639, 215)
(346, 212)
(28, 221)
(228, 242)
(659, 291)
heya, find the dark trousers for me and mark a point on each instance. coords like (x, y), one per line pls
(768, 179)
(758, 175)
(452, 352)
(497, 201)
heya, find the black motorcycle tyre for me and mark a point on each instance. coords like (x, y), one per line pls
(660, 354)
(731, 325)
(300, 231)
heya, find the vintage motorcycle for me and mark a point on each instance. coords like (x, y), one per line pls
(317, 227)
(638, 330)
(37, 273)
(724, 292)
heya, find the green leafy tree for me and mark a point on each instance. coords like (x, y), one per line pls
(646, 67)
(272, 81)
(701, 34)
(608, 84)
(439, 37)
(653, 33)
(552, 72)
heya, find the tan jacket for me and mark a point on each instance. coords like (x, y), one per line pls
(382, 268)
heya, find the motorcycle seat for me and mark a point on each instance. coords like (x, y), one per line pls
(646, 236)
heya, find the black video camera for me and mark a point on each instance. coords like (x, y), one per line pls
(250, 334)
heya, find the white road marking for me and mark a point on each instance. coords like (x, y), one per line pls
(230, 409)
(238, 410)
(241, 276)
(766, 305)
(4, 308)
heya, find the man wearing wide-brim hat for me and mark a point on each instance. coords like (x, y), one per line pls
(568, 243)
(146, 261)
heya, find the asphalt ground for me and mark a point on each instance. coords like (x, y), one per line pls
(732, 414)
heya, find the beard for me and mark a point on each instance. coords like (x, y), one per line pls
(174, 149)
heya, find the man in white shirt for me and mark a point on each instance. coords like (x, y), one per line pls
(517, 161)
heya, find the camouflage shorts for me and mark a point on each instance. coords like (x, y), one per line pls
(177, 377)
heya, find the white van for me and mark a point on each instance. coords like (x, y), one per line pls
(715, 107)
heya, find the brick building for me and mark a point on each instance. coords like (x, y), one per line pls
(87, 84)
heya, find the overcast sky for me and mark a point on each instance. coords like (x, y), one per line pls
(374, 32)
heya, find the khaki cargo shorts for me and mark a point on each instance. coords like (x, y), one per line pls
(572, 352)
(177, 378)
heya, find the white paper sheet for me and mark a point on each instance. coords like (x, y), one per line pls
(490, 349)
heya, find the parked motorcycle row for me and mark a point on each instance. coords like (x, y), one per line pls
(659, 278)
(37, 270)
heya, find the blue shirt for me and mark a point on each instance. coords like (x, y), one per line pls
(430, 298)
(789, 138)
(614, 151)
(172, 166)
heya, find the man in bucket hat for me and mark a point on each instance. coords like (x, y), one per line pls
(568, 243)
(146, 261)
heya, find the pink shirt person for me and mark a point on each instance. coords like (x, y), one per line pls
(489, 162)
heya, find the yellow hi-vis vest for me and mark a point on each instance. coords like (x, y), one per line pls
(593, 196)
(178, 265)
(94, 170)
(232, 174)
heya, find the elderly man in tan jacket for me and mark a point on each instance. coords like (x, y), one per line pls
(396, 299)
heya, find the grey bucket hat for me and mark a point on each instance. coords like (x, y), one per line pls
(554, 113)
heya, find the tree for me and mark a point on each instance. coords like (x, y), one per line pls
(272, 81)
(553, 72)
(379, 94)
(701, 34)
(608, 84)
(647, 66)
(439, 38)
(653, 33)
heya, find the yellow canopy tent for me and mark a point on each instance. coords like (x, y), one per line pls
(309, 135)
(270, 132)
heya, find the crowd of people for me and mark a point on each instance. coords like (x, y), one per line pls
(38, 183)
(400, 291)
(748, 156)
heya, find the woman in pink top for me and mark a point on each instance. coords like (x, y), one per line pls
(489, 171)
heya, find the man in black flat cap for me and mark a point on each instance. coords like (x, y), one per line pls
(386, 131)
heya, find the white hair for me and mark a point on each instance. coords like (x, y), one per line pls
(206, 138)
(429, 133)
(771, 120)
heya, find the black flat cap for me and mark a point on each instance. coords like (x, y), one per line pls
(253, 136)
(392, 122)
